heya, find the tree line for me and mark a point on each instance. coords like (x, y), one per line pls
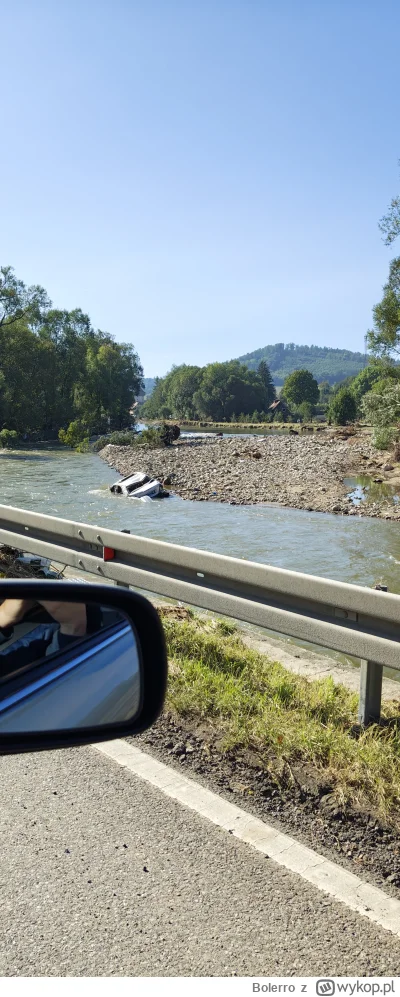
(219, 392)
(56, 369)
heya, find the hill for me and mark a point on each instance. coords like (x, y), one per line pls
(325, 364)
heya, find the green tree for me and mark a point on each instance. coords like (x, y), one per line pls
(384, 339)
(382, 408)
(54, 367)
(306, 411)
(390, 223)
(324, 392)
(22, 389)
(157, 406)
(182, 387)
(266, 379)
(19, 302)
(226, 388)
(301, 386)
(365, 380)
(74, 435)
(104, 397)
(343, 408)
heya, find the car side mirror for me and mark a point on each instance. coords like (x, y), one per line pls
(79, 663)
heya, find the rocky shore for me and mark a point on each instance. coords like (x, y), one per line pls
(296, 471)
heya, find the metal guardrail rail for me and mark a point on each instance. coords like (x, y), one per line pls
(348, 618)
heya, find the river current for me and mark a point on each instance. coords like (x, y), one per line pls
(76, 486)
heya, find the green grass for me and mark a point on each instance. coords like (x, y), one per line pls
(253, 702)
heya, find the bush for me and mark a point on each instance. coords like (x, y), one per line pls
(74, 435)
(343, 408)
(383, 438)
(9, 437)
(382, 409)
(159, 436)
(118, 439)
(84, 446)
(306, 411)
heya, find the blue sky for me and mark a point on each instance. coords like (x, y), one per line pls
(202, 178)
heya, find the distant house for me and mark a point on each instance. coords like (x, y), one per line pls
(279, 406)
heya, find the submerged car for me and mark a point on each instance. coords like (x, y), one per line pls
(139, 485)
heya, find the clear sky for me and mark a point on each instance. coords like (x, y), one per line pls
(203, 177)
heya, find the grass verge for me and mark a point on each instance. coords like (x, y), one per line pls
(253, 702)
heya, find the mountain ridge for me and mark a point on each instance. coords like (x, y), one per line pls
(326, 363)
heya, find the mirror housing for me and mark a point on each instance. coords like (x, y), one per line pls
(146, 651)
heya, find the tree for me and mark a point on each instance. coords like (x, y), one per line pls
(390, 223)
(226, 388)
(343, 408)
(113, 377)
(382, 408)
(365, 380)
(306, 411)
(22, 389)
(384, 339)
(157, 406)
(55, 368)
(182, 388)
(20, 302)
(324, 392)
(301, 386)
(266, 379)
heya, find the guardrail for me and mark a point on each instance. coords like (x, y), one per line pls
(348, 618)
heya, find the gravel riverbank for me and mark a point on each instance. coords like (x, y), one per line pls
(297, 471)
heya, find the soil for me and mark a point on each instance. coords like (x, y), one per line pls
(300, 804)
(297, 471)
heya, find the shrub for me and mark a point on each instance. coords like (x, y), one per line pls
(84, 446)
(343, 408)
(9, 437)
(382, 408)
(74, 435)
(383, 437)
(150, 438)
(159, 436)
(118, 439)
(306, 411)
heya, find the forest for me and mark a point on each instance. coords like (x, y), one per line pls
(55, 368)
(323, 362)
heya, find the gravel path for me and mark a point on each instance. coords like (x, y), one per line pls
(302, 472)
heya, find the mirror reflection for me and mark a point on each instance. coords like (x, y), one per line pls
(65, 665)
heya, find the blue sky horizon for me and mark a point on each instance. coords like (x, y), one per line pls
(202, 180)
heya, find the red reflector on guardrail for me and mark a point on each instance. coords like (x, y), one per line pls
(108, 553)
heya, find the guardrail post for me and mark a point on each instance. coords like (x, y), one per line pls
(369, 709)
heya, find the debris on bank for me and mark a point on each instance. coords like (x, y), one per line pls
(17, 564)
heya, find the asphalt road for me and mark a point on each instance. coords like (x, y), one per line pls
(103, 875)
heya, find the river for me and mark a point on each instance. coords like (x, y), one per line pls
(76, 486)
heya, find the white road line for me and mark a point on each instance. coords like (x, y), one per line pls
(286, 851)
